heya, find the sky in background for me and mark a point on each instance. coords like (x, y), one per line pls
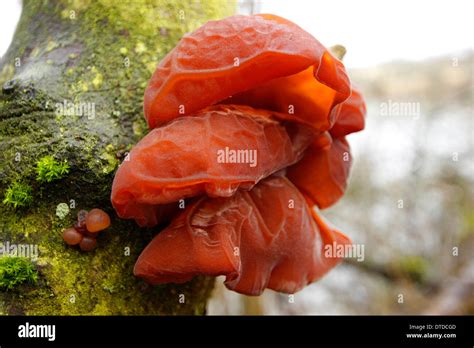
(378, 31)
(9, 14)
(372, 31)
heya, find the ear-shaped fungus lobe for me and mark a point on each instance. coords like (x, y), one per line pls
(303, 97)
(351, 116)
(233, 55)
(263, 238)
(188, 157)
(323, 172)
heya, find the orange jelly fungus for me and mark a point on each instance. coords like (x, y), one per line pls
(244, 83)
(88, 243)
(85, 229)
(181, 159)
(239, 53)
(71, 236)
(97, 220)
(252, 238)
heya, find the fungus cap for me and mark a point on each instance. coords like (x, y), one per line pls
(194, 155)
(233, 55)
(264, 238)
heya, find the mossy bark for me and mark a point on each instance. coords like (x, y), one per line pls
(98, 53)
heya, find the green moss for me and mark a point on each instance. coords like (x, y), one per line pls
(6, 73)
(413, 267)
(51, 46)
(49, 169)
(18, 195)
(100, 282)
(15, 271)
(468, 222)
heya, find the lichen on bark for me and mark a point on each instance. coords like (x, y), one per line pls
(98, 55)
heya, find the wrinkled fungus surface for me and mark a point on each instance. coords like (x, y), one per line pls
(192, 156)
(249, 117)
(236, 54)
(253, 238)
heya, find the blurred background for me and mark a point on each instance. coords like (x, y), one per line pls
(410, 201)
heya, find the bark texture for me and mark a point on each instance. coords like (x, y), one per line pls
(100, 55)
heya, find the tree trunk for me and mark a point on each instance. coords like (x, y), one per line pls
(73, 82)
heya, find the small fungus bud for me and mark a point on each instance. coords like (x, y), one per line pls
(88, 243)
(97, 220)
(71, 236)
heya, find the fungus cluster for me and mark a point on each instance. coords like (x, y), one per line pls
(86, 228)
(253, 85)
